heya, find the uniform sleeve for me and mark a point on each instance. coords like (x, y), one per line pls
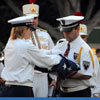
(86, 66)
(41, 58)
(50, 42)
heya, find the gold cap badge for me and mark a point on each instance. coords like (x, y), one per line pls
(33, 9)
(81, 29)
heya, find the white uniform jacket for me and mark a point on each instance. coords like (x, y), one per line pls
(20, 58)
(86, 64)
(44, 40)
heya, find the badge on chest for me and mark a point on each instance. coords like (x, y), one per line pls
(75, 56)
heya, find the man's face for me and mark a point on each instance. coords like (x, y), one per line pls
(35, 22)
(71, 35)
(84, 37)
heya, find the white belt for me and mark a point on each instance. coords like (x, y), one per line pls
(67, 90)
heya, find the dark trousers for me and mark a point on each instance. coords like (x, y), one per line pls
(16, 91)
(81, 93)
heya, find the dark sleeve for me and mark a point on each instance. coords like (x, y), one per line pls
(49, 78)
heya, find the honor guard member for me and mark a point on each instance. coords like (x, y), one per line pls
(20, 58)
(95, 91)
(42, 40)
(83, 32)
(75, 49)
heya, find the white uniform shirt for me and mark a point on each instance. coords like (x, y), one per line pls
(86, 66)
(45, 39)
(20, 57)
(45, 42)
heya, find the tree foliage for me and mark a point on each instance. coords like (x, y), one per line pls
(49, 11)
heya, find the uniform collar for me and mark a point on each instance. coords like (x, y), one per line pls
(37, 30)
(75, 42)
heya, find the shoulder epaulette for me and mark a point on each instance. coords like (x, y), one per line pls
(61, 40)
(41, 29)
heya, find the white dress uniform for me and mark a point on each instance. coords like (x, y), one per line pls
(40, 79)
(19, 67)
(96, 89)
(79, 53)
(43, 41)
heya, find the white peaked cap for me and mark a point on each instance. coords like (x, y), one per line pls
(70, 19)
(69, 22)
(22, 19)
(83, 29)
(30, 9)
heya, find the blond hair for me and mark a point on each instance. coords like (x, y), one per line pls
(17, 32)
